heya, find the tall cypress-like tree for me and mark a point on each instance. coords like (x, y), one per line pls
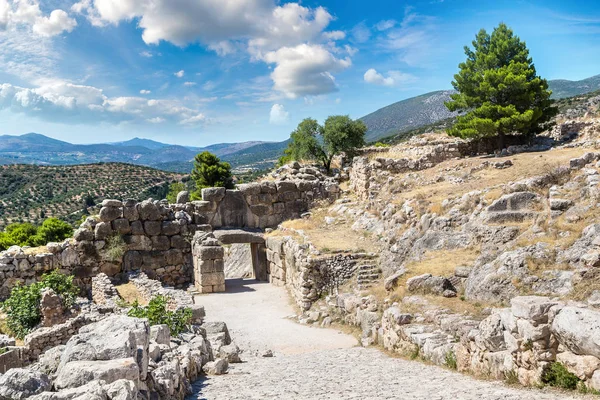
(500, 90)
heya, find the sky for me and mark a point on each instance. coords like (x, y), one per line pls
(198, 72)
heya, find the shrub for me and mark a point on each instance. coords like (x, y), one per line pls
(174, 190)
(115, 248)
(379, 144)
(26, 234)
(450, 360)
(53, 230)
(557, 375)
(157, 314)
(22, 308)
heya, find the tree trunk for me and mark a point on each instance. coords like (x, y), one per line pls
(501, 140)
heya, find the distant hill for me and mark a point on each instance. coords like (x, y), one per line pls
(428, 109)
(32, 192)
(408, 114)
(562, 88)
(147, 143)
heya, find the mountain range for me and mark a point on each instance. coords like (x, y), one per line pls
(403, 116)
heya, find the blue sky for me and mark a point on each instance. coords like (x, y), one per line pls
(198, 72)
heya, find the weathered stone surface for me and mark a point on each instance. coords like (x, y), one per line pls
(213, 194)
(230, 352)
(148, 211)
(210, 252)
(17, 384)
(121, 225)
(532, 307)
(152, 228)
(428, 283)
(160, 334)
(83, 234)
(77, 373)
(170, 228)
(108, 214)
(217, 367)
(230, 236)
(112, 203)
(582, 366)
(102, 230)
(183, 197)
(578, 329)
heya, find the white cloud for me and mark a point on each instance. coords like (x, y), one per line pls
(146, 54)
(189, 83)
(66, 102)
(143, 91)
(394, 78)
(385, 25)
(361, 33)
(58, 22)
(278, 115)
(338, 100)
(156, 120)
(27, 13)
(334, 35)
(268, 31)
(179, 74)
(305, 70)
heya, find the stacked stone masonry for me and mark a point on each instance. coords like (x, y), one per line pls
(307, 275)
(155, 237)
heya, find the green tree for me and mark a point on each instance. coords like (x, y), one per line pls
(339, 134)
(174, 190)
(499, 89)
(53, 230)
(210, 171)
(21, 234)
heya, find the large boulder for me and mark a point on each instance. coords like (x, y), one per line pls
(115, 337)
(78, 373)
(94, 390)
(18, 383)
(578, 329)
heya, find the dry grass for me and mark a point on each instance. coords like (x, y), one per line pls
(327, 238)
(33, 251)
(130, 294)
(526, 165)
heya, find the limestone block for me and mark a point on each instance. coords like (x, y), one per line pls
(137, 228)
(170, 228)
(78, 373)
(578, 329)
(213, 194)
(183, 197)
(582, 366)
(210, 252)
(249, 188)
(179, 242)
(534, 308)
(268, 187)
(148, 211)
(112, 203)
(131, 213)
(286, 186)
(108, 214)
(152, 228)
(161, 243)
(121, 225)
(212, 278)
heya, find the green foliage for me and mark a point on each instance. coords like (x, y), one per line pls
(557, 375)
(174, 190)
(22, 308)
(511, 377)
(157, 314)
(115, 248)
(311, 141)
(379, 144)
(210, 171)
(53, 230)
(450, 360)
(26, 234)
(499, 90)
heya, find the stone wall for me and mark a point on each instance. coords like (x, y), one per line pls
(155, 237)
(516, 343)
(12, 358)
(307, 275)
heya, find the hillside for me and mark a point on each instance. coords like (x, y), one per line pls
(29, 191)
(428, 109)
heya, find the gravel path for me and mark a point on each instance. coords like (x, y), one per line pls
(313, 363)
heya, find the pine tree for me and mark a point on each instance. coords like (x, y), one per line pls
(210, 171)
(499, 89)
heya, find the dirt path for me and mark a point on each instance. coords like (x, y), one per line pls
(313, 363)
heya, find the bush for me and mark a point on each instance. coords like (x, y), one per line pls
(557, 375)
(115, 248)
(22, 308)
(450, 360)
(157, 314)
(25, 234)
(174, 190)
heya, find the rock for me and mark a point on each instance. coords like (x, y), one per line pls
(533, 308)
(267, 353)
(217, 367)
(83, 234)
(429, 284)
(462, 271)
(560, 204)
(183, 197)
(122, 390)
(161, 334)
(6, 340)
(77, 373)
(213, 194)
(108, 214)
(595, 381)
(148, 211)
(112, 203)
(102, 230)
(578, 329)
(391, 282)
(115, 337)
(51, 308)
(18, 383)
(491, 334)
(231, 353)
